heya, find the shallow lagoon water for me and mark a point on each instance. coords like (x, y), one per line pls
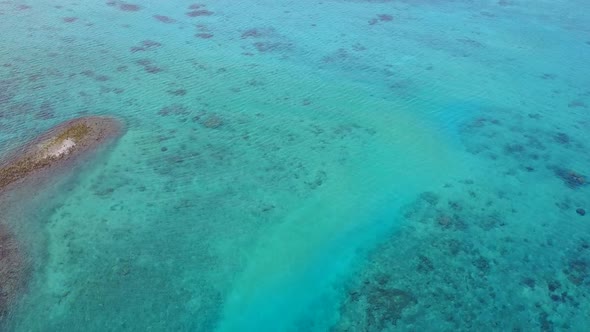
(312, 166)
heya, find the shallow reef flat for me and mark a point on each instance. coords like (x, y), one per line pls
(58, 146)
(51, 153)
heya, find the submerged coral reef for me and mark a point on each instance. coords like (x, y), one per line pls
(12, 269)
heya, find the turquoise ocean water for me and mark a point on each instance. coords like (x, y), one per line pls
(335, 165)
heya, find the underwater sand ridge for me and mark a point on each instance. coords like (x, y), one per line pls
(298, 258)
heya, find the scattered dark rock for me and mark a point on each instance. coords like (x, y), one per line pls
(577, 271)
(546, 324)
(178, 92)
(535, 116)
(174, 109)
(444, 221)
(425, 264)
(263, 47)
(385, 17)
(200, 12)
(571, 178)
(385, 305)
(529, 282)
(553, 285)
(482, 264)
(513, 149)
(562, 138)
(490, 222)
(456, 206)
(204, 35)
(318, 180)
(146, 45)
(128, 7)
(212, 121)
(454, 247)
(577, 104)
(164, 19)
(257, 33)
(430, 197)
(152, 69)
(581, 211)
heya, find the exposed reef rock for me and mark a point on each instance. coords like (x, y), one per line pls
(53, 151)
(59, 145)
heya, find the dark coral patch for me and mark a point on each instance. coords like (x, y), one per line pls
(153, 69)
(145, 45)
(175, 109)
(562, 138)
(384, 306)
(577, 271)
(577, 104)
(148, 66)
(385, 17)
(143, 62)
(381, 18)
(470, 42)
(12, 270)
(257, 33)
(514, 148)
(178, 92)
(102, 78)
(164, 19)
(46, 111)
(204, 35)
(212, 121)
(571, 178)
(264, 47)
(339, 55)
(128, 7)
(70, 19)
(200, 12)
(251, 33)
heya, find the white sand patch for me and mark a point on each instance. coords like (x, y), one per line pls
(58, 150)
